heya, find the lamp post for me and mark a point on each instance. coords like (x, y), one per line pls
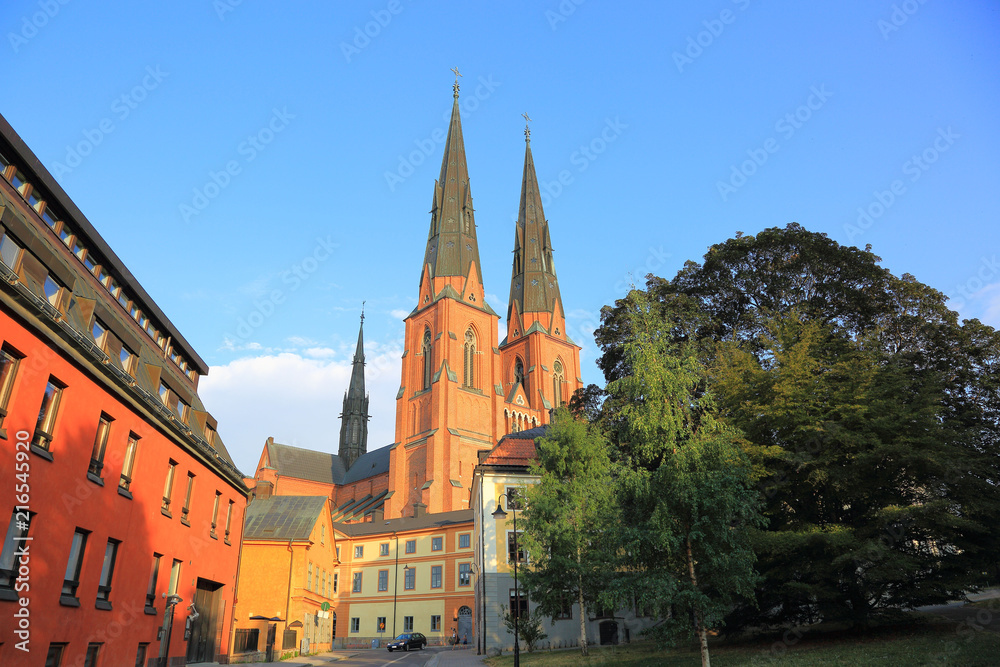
(500, 514)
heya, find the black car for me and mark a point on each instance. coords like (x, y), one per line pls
(406, 641)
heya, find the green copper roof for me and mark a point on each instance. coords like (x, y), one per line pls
(533, 284)
(451, 241)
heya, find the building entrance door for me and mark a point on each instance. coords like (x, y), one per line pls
(205, 628)
(464, 624)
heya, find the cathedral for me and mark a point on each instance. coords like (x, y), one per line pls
(461, 391)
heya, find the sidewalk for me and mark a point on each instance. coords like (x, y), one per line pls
(460, 657)
(307, 660)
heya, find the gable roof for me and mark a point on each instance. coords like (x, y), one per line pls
(437, 520)
(368, 465)
(282, 517)
(306, 463)
(516, 449)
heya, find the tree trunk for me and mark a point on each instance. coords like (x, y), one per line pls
(583, 609)
(702, 633)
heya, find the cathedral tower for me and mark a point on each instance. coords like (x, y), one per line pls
(446, 407)
(540, 365)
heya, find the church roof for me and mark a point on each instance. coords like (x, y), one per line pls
(306, 464)
(451, 242)
(534, 287)
(282, 517)
(368, 465)
(437, 520)
(516, 449)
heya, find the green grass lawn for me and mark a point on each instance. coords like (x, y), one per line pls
(910, 645)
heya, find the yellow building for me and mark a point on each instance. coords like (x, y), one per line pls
(406, 575)
(287, 579)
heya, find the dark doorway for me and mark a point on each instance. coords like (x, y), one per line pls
(609, 632)
(464, 624)
(206, 629)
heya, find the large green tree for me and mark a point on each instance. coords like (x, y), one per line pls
(686, 499)
(567, 519)
(871, 416)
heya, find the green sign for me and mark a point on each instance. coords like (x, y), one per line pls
(325, 606)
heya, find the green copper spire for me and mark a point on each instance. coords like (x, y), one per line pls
(451, 242)
(354, 418)
(534, 287)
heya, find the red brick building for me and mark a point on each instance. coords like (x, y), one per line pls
(120, 507)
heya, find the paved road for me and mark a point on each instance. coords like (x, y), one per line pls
(429, 657)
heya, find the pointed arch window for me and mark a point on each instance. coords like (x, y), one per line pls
(468, 377)
(557, 379)
(428, 353)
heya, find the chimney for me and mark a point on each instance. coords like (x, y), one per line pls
(378, 514)
(263, 490)
(483, 453)
(419, 509)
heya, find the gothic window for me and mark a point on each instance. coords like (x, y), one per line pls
(428, 358)
(557, 380)
(519, 373)
(470, 359)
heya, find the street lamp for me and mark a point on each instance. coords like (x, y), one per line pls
(500, 514)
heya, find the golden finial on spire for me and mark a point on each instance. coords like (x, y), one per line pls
(457, 74)
(527, 130)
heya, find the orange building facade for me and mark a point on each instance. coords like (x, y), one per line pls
(121, 508)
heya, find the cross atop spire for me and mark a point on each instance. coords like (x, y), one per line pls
(527, 130)
(455, 87)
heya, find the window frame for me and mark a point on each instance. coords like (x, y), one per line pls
(154, 575)
(409, 578)
(357, 581)
(74, 567)
(437, 543)
(168, 488)
(107, 574)
(410, 546)
(437, 578)
(10, 363)
(383, 581)
(17, 531)
(96, 466)
(465, 574)
(467, 538)
(48, 413)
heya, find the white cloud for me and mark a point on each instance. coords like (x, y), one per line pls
(297, 400)
(320, 352)
(399, 314)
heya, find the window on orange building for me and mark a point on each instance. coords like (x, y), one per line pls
(107, 574)
(140, 655)
(383, 580)
(335, 577)
(10, 359)
(469, 359)
(71, 581)
(464, 574)
(383, 549)
(359, 552)
(154, 573)
(356, 585)
(187, 500)
(411, 546)
(55, 655)
(229, 519)
(128, 465)
(45, 426)
(409, 578)
(435, 623)
(168, 488)
(355, 624)
(464, 540)
(309, 577)
(10, 559)
(437, 543)
(215, 515)
(100, 445)
(435, 576)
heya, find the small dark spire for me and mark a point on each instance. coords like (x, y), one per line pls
(354, 418)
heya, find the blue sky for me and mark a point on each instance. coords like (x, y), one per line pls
(262, 172)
